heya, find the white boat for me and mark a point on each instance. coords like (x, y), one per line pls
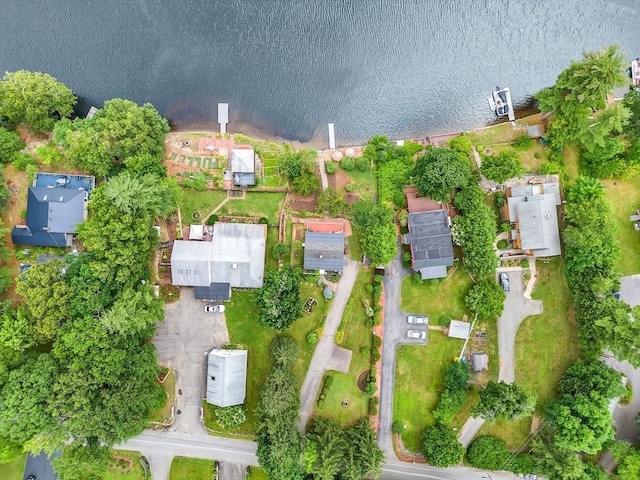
(500, 102)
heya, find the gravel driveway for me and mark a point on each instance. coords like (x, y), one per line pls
(182, 340)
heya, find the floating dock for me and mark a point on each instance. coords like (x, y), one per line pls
(332, 137)
(500, 102)
(223, 116)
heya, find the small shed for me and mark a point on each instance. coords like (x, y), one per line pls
(196, 232)
(226, 377)
(479, 361)
(458, 329)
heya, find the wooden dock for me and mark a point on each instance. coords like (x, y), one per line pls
(223, 116)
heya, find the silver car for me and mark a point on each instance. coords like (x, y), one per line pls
(214, 308)
(418, 319)
(417, 334)
(504, 281)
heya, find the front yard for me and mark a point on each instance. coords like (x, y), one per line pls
(195, 468)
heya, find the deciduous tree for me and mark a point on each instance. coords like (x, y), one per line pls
(279, 299)
(440, 447)
(486, 298)
(489, 453)
(507, 401)
(10, 144)
(439, 171)
(501, 167)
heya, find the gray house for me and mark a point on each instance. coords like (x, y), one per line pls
(324, 251)
(235, 257)
(431, 245)
(243, 166)
(226, 377)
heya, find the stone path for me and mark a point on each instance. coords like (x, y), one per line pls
(323, 172)
(328, 355)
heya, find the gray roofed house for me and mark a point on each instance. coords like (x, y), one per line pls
(532, 210)
(226, 377)
(243, 166)
(431, 245)
(235, 256)
(324, 251)
(52, 216)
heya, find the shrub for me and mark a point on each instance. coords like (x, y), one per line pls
(444, 320)
(417, 277)
(365, 351)
(627, 397)
(537, 155)
(320, 403)
(231, 417)
(323, 396)
(49, 155)
(312, 338)
(21, 160)
(330, 167)
(23, 213)
(397, 427)
(363, 164)
(348, 163)
(499, 202)
(489, 453)
(505, 227)
(327, 292)
(450, 403)
(369, 322)
(503, 244)
(406, 256)
(440, 446)
(350, 188)
(376, 341)
(524, 263)
(263, 221)
(375, 356)
(549, 168)
(370, 389)
(328, 381)
(369, 288)
(524, 141)
(378, 278)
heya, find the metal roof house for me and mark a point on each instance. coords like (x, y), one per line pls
(235, 256)
(533, 215)
(430, 241)
(324, 249)
(52, 216)
(243, 166)
(226, 377)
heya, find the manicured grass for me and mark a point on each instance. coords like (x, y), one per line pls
(14, 470)
(355, 247)
(513, 433)
(345, 385)
(136, 473)
(444, 299)
(547, 344)
(169, 386)
(363, 182)
(419, 383)
(271, 263)
(204, 202)
(527, 155)
(257, 204)
(502, 133)
(268, 152)
(625, 197)
(191, 468)
(256, 473)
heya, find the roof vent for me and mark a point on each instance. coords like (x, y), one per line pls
(235, 265)
(45, 197)
(61, 198)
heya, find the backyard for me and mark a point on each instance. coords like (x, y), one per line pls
(192, 468)
(199, 201)
(257, 204)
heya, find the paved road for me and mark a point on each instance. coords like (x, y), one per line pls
(242, 452)
(182, 340)
(516, 309)
(395, 333)
(327, 355)
(40, 466)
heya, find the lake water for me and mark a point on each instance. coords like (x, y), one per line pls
(403, 68)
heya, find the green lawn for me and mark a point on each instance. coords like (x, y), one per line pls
(345, 385)
(257, 204)
(204, 202)
(490, 201)
(169, 386)
(502, 133)
(136, 473)
(419, 383)
(191, 468)
(242, 322)
(364, 183)
(527, 155)
(256, 473)
(625, 197)
(444, 299)
(571, 159)
(272, 238)
(513, 433)
(14, 470)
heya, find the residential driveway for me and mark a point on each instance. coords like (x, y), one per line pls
(395, 333)
(182, 340)
(516, 308)
(40, 466)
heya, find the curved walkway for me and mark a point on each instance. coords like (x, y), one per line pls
(328, 355)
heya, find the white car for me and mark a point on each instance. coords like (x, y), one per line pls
(214, 308)
(418, 319)
(417, 334)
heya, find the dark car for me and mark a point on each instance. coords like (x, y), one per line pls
(31, 477)
(504, 281)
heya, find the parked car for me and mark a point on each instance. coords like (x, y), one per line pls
(417, 334)
(31, 477)
(418, 319)
(214, 308)
(504, 281)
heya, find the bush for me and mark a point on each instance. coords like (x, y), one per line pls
(397, 427)
(320, 403)
(376, 341)
(503, 244)
(417, 278)
(330, 167)
(406, 256)
(365, 351)
(505, 227)
(499, 201)
(231, 417)
(370, 389)
(488, 453)
(328, 381)
(444, 320)
(537, 155)
(350, 188)
(363, 164)
(440, 447)
(323, 396)
(369, 288)
(549, 168)
(312, 338)
(348, 163)
(373, 410)
(49, 155)
(369, 322)
(378, 278)
(263, 221)
(524, 263)
(434, 281)
(21, 160)
(524, 141)
(375, 356)
(450, 403)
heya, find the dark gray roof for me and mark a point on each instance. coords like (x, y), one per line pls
(431, 244)
(226, 377)
(324, 251)
(52, 216)
(215, 292)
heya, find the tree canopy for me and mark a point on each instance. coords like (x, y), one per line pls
(486, 298)
(34, 99)
(379, 239)
(501, 167)
(439, 171)
(10, 144)
(440, 446)
(507, 401)
(279, 298)
(489, 453)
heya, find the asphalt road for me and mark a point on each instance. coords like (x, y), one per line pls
(40, 466)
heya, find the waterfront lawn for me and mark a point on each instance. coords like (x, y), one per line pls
(268, 152)
(257, 204)
(527, 156)
(625, 197)
(365, 183)
(195, 468)
(169, 386)
(14, 470)
(501, 133)
(418, 389)
(202, 201)
(345, 385)
(444, 299)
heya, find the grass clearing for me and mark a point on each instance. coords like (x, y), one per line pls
(571, 160)
(501, 133)
(197, 201)
(625, 197)
(14, 470)
(527, 155)
(257, 204)
(443, 299)
(169, 386)
(256, 473)
(418, 389)
(364, 183)
(192, 468)
(114, 472)
(513, 433)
